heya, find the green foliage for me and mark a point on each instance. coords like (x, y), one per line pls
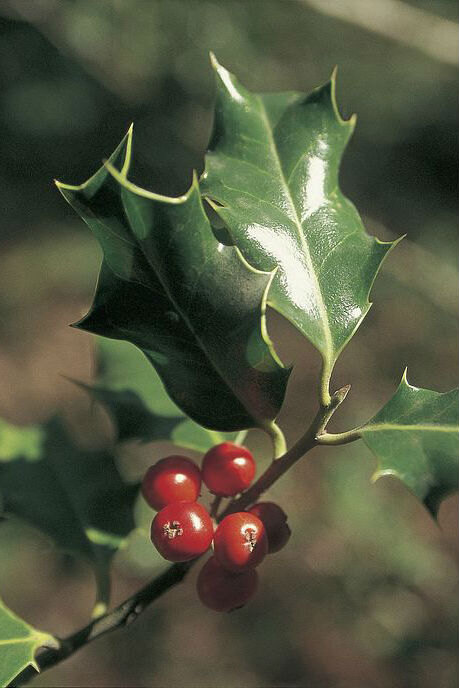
(138, 403)
(75, 496)
(67, 111)
(190, 299)
(194, 306)
(15, 441)
(272, 176)
(18, 644)
(416, 438)
(137, 555)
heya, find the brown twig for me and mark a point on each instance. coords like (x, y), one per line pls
(130, 609)
(121, 616)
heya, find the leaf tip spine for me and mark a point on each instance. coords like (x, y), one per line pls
(213, 60)
(331, 84)
(381, 473)
(67, 189)
(404, 380)
(392, 243)
(128, 152)
(227, 82)
(330, 88)
(216, 66)
(145, 193)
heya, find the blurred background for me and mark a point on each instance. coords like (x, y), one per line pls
(365, 594)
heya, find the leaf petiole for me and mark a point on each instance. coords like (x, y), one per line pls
(277, 439)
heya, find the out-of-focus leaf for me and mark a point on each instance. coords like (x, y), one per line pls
(135, 396)
(138, 555)
(416, 438)
(16, 441)
(74, 496)
(194, 306)
(272, 176)
(18, 644)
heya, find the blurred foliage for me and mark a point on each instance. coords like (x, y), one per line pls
(365, 594)
(134, 396)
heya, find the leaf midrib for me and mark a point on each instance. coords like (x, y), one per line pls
(378, 427)
(26, 640)
(324, 321)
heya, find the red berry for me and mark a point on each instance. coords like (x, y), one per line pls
(182, 531)
(173, 479)
(240, 542)
(275, 521)
(228, 469)
(223, 591)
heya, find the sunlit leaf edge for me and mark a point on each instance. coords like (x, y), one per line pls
(431, 501)
(33, 642)
(330, 356)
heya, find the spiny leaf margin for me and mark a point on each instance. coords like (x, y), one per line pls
(19, 643)
(421, 452)
(249, 392)
(250, 139)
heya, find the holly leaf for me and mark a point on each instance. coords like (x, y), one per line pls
(416, 439)
(18, 644)
(192, 305)
(136, 399)
(74, 496)
(271, 174)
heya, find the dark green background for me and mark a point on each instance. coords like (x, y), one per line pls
(365, 594)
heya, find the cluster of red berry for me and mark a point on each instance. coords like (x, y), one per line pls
(183, 529)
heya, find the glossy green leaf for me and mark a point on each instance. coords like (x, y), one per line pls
(18, 644)
(416, 438)
(272, 176)
(74, 496)
(194, 306)
(141, 409)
